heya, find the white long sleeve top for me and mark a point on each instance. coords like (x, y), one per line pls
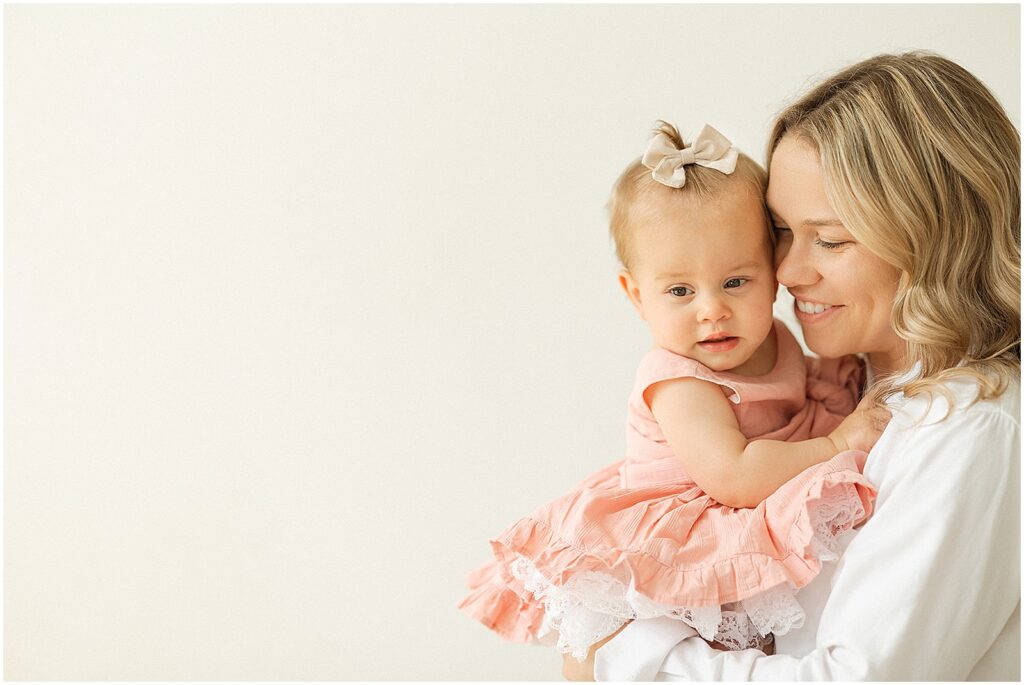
(927, 589)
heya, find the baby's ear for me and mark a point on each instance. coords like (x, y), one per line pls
(632, 291)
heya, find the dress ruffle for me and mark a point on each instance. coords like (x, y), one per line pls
(587, 586)
(515, 617)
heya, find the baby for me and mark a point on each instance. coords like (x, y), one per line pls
(740, 469)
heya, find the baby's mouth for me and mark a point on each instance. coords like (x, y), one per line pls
(719, 342)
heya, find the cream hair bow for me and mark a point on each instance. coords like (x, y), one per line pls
(668, 163)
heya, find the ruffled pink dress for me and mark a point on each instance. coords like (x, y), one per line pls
(639, 539)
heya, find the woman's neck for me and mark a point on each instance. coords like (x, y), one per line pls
(886, 362)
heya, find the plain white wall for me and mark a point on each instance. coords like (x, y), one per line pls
(304, 303)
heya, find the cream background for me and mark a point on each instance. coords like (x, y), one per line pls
(302, 303)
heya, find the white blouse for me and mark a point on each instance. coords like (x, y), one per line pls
(927, 589)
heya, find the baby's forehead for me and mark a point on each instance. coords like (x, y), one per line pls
(732, 228)
(669, 224)
(691, 256)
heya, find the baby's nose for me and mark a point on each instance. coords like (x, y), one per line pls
(713, 308)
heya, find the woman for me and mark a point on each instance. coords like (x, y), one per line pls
(895, 190)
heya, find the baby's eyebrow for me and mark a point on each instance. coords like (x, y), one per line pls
(680, 276)
(746, 265)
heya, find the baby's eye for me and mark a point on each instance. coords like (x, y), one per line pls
(781, 233)
(680, 291)
(735, 282)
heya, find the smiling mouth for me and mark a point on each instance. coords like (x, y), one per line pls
(813, 307)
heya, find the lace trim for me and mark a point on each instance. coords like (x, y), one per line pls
(832, 515)
(590, 605)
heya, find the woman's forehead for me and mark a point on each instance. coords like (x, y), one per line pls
(796, 187)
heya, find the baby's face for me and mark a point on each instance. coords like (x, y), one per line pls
(703, 281)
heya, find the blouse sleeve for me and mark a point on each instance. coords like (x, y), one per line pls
(922, 591)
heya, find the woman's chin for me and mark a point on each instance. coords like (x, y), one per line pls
(826, 347)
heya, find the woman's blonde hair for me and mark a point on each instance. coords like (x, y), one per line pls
(636, 189)
(922, 165)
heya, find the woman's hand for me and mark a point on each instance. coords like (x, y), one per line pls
(584, 671)
(861, 429)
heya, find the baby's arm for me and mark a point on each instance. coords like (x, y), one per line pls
(701, 429)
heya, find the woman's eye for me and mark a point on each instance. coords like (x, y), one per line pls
(781, 232)
(735, 282)
(680, 291)
(829, 245)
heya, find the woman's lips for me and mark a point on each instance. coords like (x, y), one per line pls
(813, 312)
(720, 344)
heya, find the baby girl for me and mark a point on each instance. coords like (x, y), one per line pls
(740, 469)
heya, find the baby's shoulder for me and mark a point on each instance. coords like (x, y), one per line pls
(660, 361)
(660, 365)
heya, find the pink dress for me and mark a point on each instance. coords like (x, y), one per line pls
(639, 539)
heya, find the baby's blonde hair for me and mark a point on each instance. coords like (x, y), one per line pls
(922, 165)
(636, 189)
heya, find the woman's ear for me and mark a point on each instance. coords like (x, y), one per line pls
(632, 291)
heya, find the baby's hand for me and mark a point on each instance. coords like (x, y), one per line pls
(861, 429)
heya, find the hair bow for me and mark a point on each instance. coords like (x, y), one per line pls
(668, 163)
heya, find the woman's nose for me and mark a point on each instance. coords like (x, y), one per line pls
(794, 266)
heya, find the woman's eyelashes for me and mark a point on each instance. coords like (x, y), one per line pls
(783, 234)
(830, 245)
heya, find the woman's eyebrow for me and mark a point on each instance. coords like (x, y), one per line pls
(776, 219)
(821, 222)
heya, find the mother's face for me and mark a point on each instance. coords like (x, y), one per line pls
(844, 293)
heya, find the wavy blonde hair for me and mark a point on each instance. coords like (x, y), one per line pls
(922, 165)
(635, 189)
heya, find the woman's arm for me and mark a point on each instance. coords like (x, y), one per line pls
(701, 428)
(925, 587)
